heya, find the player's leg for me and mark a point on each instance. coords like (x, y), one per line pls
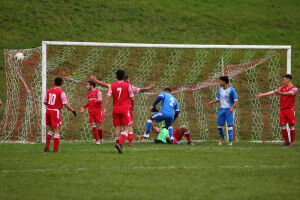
(230, 123)
(95, 132)
(117, 123)
(291, 121)
(157, 118)
(220, 125)
(168, 122)
(283, 122)
(130, 136)
(100, 131)
(56, 138)
(118, 130)
(185, 131)
(126, 122)
(50, 132)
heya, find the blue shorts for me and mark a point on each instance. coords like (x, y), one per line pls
(225, 115)
(160, 116)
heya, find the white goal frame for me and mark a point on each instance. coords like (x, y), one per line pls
(95, 44)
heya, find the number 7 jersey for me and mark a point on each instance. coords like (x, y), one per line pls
(55, 98)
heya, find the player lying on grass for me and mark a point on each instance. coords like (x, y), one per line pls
(287, 94)
(135, 90)
(123, 101)
(94, 105)
(228, 100)
(55, 99)
(163, 135)
(168, 113)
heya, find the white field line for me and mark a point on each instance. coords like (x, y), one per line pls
(254, 167)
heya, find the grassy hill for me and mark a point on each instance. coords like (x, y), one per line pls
(24, 24)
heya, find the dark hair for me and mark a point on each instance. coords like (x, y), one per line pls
(120, 74)
(168, 89)
(225, 79)
(126, 77)
(58, 81)
(288, 76)
(92, 83)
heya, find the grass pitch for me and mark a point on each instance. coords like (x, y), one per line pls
(150, 171)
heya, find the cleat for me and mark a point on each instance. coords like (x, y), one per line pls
(221, 141)
(292, 144)
(101, 141)
(55, 151)
(46, 149)
(229, 144)
(190, 143)
(145, 136)
(130, 144)
(119, 148)
(98, 142)
(284, 143)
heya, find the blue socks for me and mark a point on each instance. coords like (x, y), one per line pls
(148, 126)
(221, 131)
(170, 131)
(230, 133)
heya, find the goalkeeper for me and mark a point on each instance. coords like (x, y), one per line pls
(163, 135)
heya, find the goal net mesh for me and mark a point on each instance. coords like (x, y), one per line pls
(192, 74)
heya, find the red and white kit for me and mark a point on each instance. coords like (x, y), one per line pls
(122, 94)
(94, 105)
(287, 105)
(177, 136)
(135, 91)
(55, 99)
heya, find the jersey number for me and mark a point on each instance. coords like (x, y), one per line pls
(52, 98)
(120, 91)
(172, 101)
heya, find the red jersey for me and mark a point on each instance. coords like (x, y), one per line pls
(288, 102)
(94, 101)
(55, 98)
(122, 94)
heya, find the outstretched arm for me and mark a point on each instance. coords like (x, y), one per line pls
(266, 94)
(152, 85)
(103, 84)
(70, 109)
(105, 106)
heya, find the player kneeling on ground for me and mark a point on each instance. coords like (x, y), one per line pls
(95, 110)
(55, 99)
(164, 137)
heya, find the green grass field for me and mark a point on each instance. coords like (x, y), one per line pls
(150, 171)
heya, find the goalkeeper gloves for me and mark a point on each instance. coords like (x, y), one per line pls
(154, 109)
(74, 113)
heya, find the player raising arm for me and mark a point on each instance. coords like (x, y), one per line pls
(228, 100)
(287, 94)
(168, 113)
(55, 99)
(122, 101)
(95, 110)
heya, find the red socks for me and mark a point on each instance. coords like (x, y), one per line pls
(49, 136)
(100, 133)
(130, 137)
(117, 139)
(188, 136)
(284, 134)
(56, 142)
(123, 138)
(95, 132)
(292, 131)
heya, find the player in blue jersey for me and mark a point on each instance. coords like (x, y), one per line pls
(168, 113)
(228, 100)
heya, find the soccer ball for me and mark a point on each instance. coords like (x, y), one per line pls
(19, 56)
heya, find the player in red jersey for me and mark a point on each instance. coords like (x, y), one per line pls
(95, 110)
(123, 99)
(287, 94)
(135, 90)
(55, 99)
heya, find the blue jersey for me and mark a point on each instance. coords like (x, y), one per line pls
(227, 97)
(168, 104)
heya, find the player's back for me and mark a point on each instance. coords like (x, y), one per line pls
(122, 93)
(288, 102)
(169, 104)
(54, 98)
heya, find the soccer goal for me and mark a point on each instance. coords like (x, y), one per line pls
(192, 71)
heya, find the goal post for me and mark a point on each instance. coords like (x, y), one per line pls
(192, 71)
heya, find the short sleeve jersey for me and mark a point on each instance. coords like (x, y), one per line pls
(55, 98)
(122, 94)
(227, 97)
(169, 103)
(288, 102)
(94, 101)
(135, 89)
